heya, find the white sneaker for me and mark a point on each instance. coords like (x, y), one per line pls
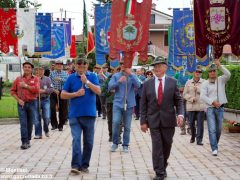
(214, 153)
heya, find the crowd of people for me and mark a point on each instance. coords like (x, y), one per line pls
(77, 95)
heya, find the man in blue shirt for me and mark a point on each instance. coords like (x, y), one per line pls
(81, 88)
(124, 84)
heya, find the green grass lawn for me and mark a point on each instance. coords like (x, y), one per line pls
(8, 107)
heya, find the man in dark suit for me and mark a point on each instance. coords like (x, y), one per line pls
(160, 105)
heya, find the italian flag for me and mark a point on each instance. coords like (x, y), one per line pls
(131, 6)
(88, 32)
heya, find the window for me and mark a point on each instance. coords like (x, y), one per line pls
(152, 21)
(165, 38)
(14, 68)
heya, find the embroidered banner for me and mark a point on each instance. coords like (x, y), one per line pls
(43, 34)
(67, 30)
(26, 23)
(73, 52)
(8, 31)
(217, 23)
(129, 33)
(114, 64)
(58, 42)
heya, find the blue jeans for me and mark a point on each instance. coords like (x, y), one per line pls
(45, 107)
(118, 115)
(27, 116)
(215, 120)
(81, 159)
(199, 116)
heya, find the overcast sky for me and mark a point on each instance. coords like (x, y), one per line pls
(74, 9)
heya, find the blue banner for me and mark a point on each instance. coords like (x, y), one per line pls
(58, 42)
(114, 64)
(100, 59)
(183, 48)
(67, 30)
(170, 70)
(43, 33)
(102, 28)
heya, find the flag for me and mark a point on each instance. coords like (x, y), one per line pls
(73, 53)
(43, 33)
(57, 42)
(9, 31)
(67, 30)
(88, 32)
(26, 21)
(129, 33)
(217, 23)
(102, 31)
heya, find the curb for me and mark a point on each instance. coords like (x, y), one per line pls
(7, 121)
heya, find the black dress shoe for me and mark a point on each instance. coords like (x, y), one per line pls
(158, 178)
(60, 129)
(200, 143)
(24, 146)
(165, 173)
(192, 140)
(53, 128)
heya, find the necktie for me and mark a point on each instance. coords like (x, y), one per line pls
(160, 93)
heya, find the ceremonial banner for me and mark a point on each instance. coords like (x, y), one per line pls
(26, 22)
(129, 29)
(102, 27)
(8, 31)
(58, 42)
(100, 59)
(43, 34)
(170, 70)
(67, 30)
(217, 23)
(88, 32)
(73, 53)
(114, 64)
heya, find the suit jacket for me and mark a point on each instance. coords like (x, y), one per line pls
(172, 104)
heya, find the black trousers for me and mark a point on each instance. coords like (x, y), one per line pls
(63, 110)
(137, 107)
(103, 105)
(98, 104)
(162, 139)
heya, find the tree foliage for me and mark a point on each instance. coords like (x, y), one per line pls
(22, 4)
(104, 1)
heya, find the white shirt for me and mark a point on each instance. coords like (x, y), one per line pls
(157, 82)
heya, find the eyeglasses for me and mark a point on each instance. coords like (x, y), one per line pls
(212, 71)
(199, 72)
(59, 64)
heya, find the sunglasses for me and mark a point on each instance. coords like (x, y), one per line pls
(59, 64)
(198, 71)
(80, 63)
(212, 71)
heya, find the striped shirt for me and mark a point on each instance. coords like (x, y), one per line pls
(62, 75)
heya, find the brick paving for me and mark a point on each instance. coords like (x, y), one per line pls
(51, 157)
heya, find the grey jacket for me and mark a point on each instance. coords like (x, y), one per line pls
(164, 115)
(215, 91)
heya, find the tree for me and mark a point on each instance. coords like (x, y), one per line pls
(104, 1)
(22, 4)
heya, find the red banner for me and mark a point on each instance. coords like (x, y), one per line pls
(217, 23)
(73, 53)
(7, 33)
(129, 33)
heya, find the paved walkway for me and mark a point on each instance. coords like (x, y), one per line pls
(51, 157)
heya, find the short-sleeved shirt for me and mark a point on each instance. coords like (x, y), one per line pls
(83, 105)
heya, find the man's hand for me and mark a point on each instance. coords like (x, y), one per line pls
(56, 91)
(216, 104)
(80, 92)
(217, 62)
(83, 78)
(144, 128)
(23, 85)
(122, 79)
(179, 121)
(57, 79)
(21, 102)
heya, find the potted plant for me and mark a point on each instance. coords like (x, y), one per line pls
(233, 126)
